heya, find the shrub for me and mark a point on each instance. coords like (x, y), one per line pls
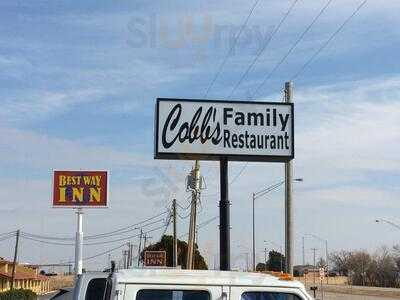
(18, 295)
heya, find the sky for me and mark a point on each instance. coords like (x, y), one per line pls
(78, 87)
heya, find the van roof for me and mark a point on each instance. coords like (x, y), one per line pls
(196, 277)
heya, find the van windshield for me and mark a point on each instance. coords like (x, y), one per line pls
(268, 296)
(172, 295)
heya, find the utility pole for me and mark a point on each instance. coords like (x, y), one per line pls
(194, 184)
(265, 258)
(79, 243)
(140, 246)
(314, 250)
(15, 259)
(175, 242)
(327, 260)
(124, 259)
(129, 255)
(131, 261)
(254, 234)
(146, 237)
(288, 199)
(304, 255)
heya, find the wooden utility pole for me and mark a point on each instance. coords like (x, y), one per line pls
(15, 259)
(175, 242)
(194, 182)
(140, 246)
(265, 258)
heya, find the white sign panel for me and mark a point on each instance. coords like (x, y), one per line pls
(237, 130)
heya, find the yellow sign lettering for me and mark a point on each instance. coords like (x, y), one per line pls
(95, 194)
(77, 194)
(62, 194)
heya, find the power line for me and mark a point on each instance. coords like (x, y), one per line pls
(12, 233)
(231, 49)
(201, 225)
(45, 242)
(101, 253)
(119, 231)
(129, 226)
(262, 50)
(125, 238)
(123, 232)
(7, 237)
(316, 53)
(293, 47)
(89, 244)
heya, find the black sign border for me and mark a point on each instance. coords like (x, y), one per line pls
(217, 157)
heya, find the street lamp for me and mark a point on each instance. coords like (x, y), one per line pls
(280, 250)
(388, 222)
(257, 195)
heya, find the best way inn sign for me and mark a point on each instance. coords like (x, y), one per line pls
(80, 189)
(236, 130)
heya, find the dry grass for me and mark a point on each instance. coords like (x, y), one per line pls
(61, 281)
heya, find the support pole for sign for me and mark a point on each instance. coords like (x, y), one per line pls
(288, 199)
(224, 220)
(79, 243)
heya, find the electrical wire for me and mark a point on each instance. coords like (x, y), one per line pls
(129, 226)
(119, 231)
(316, 53)
(201, 225)
(221, 66)
(45, 242)
(269, 75)
(125, 238)
(255, 60)
(89, 244)
(100, 254)
(7, 237)
(7, 233)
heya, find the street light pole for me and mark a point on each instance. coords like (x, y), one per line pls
(256, 196)
(254, 234)
(388, 222)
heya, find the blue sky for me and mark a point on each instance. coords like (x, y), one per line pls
(78, 88)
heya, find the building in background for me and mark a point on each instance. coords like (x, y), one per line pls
(26, 277)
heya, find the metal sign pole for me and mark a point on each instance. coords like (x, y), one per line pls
(79, 243)
(224, 219)
(289, 251)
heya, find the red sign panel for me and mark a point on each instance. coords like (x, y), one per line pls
(80, 189)
(155, 258)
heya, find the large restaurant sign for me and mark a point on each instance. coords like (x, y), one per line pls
(236, 130)
(80, 189)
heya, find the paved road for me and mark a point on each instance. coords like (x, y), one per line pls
(46, 297)
(329, 296)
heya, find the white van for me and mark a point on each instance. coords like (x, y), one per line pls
(173, 284)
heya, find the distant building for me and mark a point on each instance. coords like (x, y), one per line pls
(26, 277)
(301, 270)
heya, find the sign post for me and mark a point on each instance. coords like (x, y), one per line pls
(79, 243)
(78, 190)
(224, 218)
(224, 131)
